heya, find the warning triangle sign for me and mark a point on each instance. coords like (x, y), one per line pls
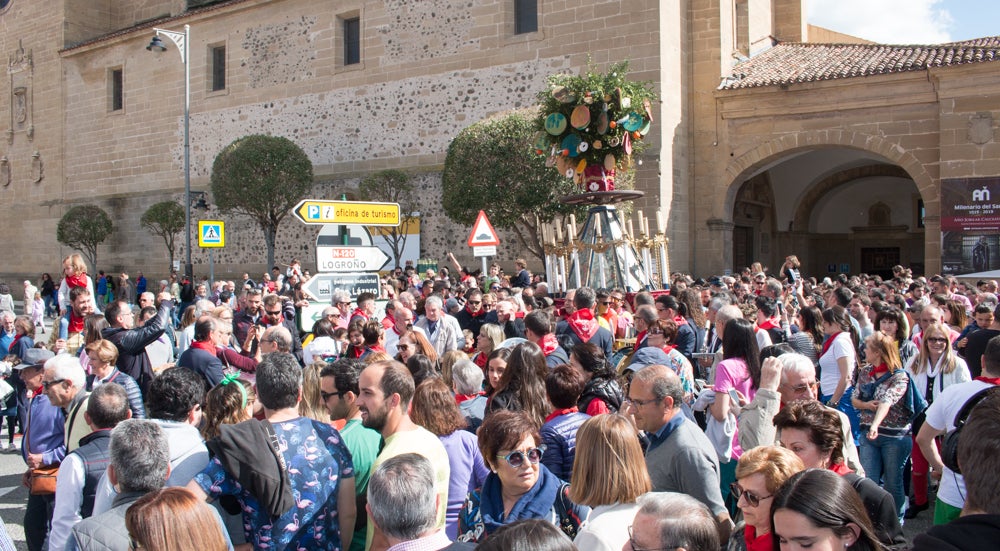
(483, 234)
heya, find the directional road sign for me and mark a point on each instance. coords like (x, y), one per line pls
(322, 286)
(350, 259)
(211, 233)
(315, 211)
(483, 234)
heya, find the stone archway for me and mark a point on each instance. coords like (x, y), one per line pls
(805, 207)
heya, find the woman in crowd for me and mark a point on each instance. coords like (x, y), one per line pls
(448, 362)
(519, 486)
(814, 432)
(172, 518)
(374, 335)
(356, 337)
(695, 315)
(837, 362)
(661, 334)
(602, 393)
(228, 403)
(414, 342)
(495, 366)
(434, 408)
(312, 404)
(522, 385)
(809, 338)
(24, 337)
(422, 368)
(818, 510)
(490, 337)
(103, 355)
(935, 368)
(323, 346)
(48, 290)
(759, 474)
(879, 398)
(563, 385)
(739, 370)
(608, 476)
(892, 322)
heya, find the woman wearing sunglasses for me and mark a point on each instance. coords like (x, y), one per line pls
(935, 368)
(759, 474)
(518, 486)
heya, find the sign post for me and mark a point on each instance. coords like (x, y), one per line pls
(483, 239)
(315, 211)
(211, 236)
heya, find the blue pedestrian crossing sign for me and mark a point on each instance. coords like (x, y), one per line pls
(211, 233)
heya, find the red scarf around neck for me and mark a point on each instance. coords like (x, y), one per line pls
(768, 324)
(828, 342)
(548, 343)
(680, 320)
(75, 324)
(879, 369)
(990, 380)
(76, 280)
(583, 324)
(204, 345)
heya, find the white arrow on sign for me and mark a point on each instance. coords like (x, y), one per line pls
(350, 259)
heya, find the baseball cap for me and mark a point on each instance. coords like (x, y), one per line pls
(35, 357)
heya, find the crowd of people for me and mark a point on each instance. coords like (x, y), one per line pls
(759, 411)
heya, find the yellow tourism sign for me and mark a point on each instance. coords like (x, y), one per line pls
(313, 211)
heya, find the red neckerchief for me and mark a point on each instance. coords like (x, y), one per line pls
(879, 369)
(640, 337)
(561, 411)
(204, 345)
(548, 343)
(481, 360)
(354, 351)
(76, 280)
(359, 312)
(680, 320)
(13, 343)
(768, 324)
(754, 542)
(990, 380)
(75, 323)
(583, 324)
(376, 348)
(473, 313)
(459, 398)
(829, 341)
(841, 469)
(389, 317)
(666, 349)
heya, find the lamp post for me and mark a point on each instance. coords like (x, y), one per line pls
(183, 42)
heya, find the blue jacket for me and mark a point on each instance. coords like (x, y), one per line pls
(559, 438)
(45, 431)
(206, 364)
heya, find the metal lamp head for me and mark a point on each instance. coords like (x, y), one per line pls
(156, 45)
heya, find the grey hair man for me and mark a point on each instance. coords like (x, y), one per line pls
(645, 316)
(276, 338)
(140, 463)
(668, 520)
(441, 328)
(403, 503)
(65, 383)
(680, 457)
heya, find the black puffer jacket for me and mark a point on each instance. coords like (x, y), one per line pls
(607, 390)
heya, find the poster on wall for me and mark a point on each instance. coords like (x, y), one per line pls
(970, 226)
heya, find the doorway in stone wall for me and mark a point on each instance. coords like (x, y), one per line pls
(743, 254)
(879, 260)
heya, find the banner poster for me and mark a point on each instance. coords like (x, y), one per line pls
(970, 226)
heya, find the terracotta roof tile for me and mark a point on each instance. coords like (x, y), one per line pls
(795, 62)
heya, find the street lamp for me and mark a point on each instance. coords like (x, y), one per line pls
(183, 42)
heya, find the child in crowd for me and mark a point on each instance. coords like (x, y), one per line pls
(74, 275)
(38, 311)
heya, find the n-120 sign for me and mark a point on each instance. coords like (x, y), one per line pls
(350, 259)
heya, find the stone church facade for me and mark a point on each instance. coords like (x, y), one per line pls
(746, 161)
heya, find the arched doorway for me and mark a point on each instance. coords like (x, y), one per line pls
(838, 209)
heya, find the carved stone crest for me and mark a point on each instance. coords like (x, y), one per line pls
(981, 128)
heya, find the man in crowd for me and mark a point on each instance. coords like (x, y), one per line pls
(386, 390)
(365, 309)
(582, 325)
(132, 341)
(402, 503)
(319, 509)
(43, 444)
(645, 316)
(81, 306)
(244, 320)
(442, 329)
(339, 391)
(473, 315)
(668, 520)
(680, 458)
(506, 317)
(274, 315)
(539, 329)
(139, 464)
(201, 357)
(402, 320)
(82, 468)
(65, 383)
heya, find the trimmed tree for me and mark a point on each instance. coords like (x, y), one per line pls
(262, 177)
(491, 166)
(392, 186)
(83, 228)
(165, 219)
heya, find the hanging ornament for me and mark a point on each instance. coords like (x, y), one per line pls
(627, 144)
(581, 166)
(563, 94)
(598, 144)
(555, 124)
(570, 144)
(632, 122)
(609, 162)
(580, 118)
(583, 147)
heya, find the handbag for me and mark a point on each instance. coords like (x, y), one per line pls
(43, 480)
(5, 390)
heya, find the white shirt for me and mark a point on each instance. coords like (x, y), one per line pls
(319, 347)
(69, 499)
(829, 370)
(607, 527)
(941, 416)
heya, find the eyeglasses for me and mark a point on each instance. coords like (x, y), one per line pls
(803, 388)
(326, 395)
(652, 332)
(275, 313)
(49, 384)
(936, 340)
(639, 403)
(605, 302)
(752, 500)
(635, 546)
(402, 347)
(517, 458)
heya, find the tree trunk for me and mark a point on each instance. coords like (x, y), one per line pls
(270, 233)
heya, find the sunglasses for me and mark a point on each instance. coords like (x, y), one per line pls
(475, 302)
(937, 340)
(516, 459)
(402, 347)
(654, 332)
(49, 384)
(270, 313)
(752, 500)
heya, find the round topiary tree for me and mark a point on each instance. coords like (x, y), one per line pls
(83, 228)
(262, 177)
(165, 219)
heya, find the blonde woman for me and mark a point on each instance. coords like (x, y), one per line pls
(935, 368)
